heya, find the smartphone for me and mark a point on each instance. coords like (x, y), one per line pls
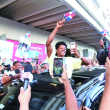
(57, 67)
(72, 44)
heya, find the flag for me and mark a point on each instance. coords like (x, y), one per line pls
(104, 32)
(69, 15)
(27, 35)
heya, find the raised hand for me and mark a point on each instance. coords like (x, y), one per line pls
(60, 23)
(24, 96)
(75, 52)
(64, 77)
(3, 60)
(101, 43)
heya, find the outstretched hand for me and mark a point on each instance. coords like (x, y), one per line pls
(64, 77)
(74, 51)
(3, 60)
(24, 96)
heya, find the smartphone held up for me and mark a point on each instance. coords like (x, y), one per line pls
(58, 67)
(72, 44)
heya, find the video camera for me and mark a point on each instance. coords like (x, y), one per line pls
(103, 53)
(7, 67)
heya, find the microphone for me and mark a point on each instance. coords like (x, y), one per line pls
(27, 77)
(17, 71)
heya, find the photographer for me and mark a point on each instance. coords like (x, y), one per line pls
(61, 51)
(1, 68)
(103, 53)
(6, 77)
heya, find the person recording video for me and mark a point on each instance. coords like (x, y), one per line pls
(61, 51)
(70, 98)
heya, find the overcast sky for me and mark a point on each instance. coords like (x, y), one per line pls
(104, 3)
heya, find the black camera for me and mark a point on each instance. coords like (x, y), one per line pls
(7, 67)
(103, 53)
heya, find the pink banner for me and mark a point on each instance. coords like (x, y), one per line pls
(35, 50)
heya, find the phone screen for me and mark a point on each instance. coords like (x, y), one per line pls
(72, 44)
(58, 67)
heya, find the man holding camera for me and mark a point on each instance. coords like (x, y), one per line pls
(7, 77)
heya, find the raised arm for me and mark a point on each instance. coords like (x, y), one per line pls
(51, 37)
(105, 102)
(84, 61)
(3, 60)
(70, 98)
(101, 44)
(24, 98)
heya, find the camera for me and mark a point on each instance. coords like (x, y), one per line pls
(7, 67)
(103, 53)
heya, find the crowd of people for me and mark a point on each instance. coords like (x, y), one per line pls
(93, 64)
(71, 63)
(70, 99)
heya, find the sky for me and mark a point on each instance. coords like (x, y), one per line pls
(105, 5)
